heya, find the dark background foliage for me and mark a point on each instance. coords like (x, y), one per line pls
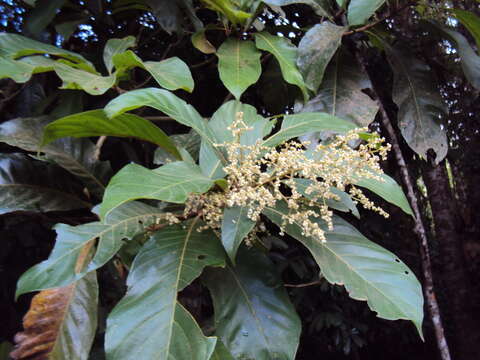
(334, 326)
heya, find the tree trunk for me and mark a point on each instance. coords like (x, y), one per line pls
(464, 334)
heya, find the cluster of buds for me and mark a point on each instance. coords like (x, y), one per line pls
(258, 177)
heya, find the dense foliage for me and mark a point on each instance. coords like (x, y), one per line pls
(284, 160)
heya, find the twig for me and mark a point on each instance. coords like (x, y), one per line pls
(317, 282)
(419, 228)
(368, 26)
(98, 147)
(200, 64)
(159, 118)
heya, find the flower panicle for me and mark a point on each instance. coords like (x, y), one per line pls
(258, 177)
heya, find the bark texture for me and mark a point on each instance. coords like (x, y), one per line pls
(465, 337)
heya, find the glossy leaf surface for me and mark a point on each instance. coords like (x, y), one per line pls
(77, 156)
(166, 264)
(29, 185)
(59, 269)
(235, 227)
(389, 190)
(15, 46)
(368, 271)
(96, 123)
(286, 55)
(164, 101)
(253, 314)
(303, 123)
(172, 182)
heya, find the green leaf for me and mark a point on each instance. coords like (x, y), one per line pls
(58, 270)
(22, 70)
(303, 123)
(286, 54)
(470, 61)
(75, 156)
(221, 352)
(320, 7)
(235, 227)
(253, 314)
(93, 84)
(239, 65)
(368, 271)
(388, 190)
(471, 22)
(15, 46)
(96, 123)
(114, 47)
(210, 162)
(61, 323)
(171, 73)
(29, 185)
(359, 11)
(201, 43)
(340, 93)
(315, 51)
(173, 182)
(149, 312)
(189, 142)
(164, 101)
(228, 8)
(420, 105)
(345, 203)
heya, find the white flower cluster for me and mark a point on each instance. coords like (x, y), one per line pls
(259, 177)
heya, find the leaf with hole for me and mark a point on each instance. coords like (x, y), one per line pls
(368, 271)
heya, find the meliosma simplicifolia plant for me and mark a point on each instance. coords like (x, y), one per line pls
(222, 189)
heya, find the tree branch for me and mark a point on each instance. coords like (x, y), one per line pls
(419, 229)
